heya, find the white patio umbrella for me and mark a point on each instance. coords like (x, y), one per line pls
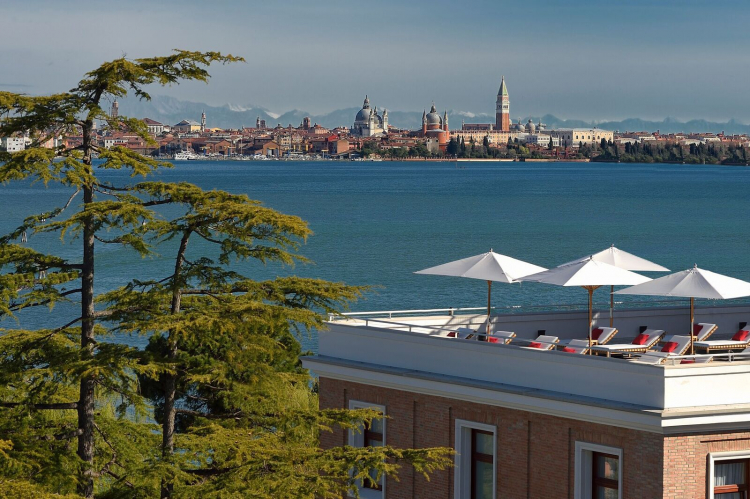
(588, 274)
(692, 283)
(489, 267)
(623, 260)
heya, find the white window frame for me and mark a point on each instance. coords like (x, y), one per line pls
(583, 468)
(462, 475)
(722, 456)
(357, 439)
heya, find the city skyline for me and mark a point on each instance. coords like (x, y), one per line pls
(579, 61)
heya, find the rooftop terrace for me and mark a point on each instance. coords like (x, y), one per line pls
(410, 350)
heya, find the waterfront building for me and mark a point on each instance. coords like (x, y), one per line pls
(502, 108)
(529, 422)
(368, 123)
(203, 121)
(541, 139)
(572, 137)
(496, 137)
(435, 129)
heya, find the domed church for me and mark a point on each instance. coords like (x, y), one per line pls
(436, 128)
(368, 123)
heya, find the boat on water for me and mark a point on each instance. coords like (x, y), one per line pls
(185, 156)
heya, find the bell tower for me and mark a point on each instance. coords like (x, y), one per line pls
(502, 108)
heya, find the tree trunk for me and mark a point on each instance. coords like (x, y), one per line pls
(170, 381)
(86, 400)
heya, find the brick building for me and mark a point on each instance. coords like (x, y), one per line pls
(528, 423)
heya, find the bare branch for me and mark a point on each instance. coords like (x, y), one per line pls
(70, 200)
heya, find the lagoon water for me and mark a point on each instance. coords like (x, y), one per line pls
(375, 223)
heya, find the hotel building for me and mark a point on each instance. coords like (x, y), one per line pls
(528, 423)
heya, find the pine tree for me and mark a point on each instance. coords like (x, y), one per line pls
(234, 408)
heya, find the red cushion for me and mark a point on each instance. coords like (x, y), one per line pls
(569, 350)
(595, 333)
(493, 340)
(741, 335)
(687, 361)
(453, 334)
(641, 339)
(697, 329)
(535, 344)
(670, 347)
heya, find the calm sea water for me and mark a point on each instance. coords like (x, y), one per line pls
(377, 223)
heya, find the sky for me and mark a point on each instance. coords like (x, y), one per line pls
(592, 60)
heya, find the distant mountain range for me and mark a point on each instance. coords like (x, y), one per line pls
(169, 110)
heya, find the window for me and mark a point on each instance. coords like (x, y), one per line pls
(730, 479)
(598, 471)
(606, 478)
(728, 475)
(371, 435)
(475, 470)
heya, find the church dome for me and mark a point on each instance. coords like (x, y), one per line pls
(530, 127)
(363, 115)
(433, 118)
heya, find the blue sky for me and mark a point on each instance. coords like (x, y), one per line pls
(574, 59)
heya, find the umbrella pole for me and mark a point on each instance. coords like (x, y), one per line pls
(611, 306)
(692, 320)
(489, 308)
(591, 305)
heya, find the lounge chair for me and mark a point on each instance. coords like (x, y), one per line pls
(740, 340)
(641, 344)
(575, 346)
(701, 332)
(675, 348)
(502, 337)
(602, 335)
(543, 342)
(464, 333)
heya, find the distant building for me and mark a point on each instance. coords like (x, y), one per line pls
(259, 123)
(13, 144)
(187, 126)
(502, 108)
(115, 111)
(154, 127)
(368, 123)
(203, 121)
(435, 129)
(577, 136)
(542, 140)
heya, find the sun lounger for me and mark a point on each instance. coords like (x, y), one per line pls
(575, 346)
(543, 342)
(502, 337)
(642, 343)
(602, 335)
(739, 341)
(675, 348)
(701, 332)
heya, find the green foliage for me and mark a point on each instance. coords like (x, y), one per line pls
(217, 404)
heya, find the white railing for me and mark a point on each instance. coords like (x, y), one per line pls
(600, 306)
(477, 336)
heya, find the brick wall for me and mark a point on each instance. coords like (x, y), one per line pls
(535, 452)
(686, 461)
